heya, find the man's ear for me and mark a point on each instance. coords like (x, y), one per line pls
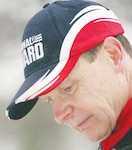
(114, 49)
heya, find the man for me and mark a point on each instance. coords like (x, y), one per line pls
(77, 58)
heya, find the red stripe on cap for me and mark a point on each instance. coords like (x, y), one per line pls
(94, 33)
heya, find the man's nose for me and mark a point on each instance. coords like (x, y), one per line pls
(62, 112)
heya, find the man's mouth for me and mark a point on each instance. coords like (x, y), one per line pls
(83, 125)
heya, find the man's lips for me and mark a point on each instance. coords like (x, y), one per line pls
(82, 125)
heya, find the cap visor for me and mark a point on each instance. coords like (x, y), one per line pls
(17, 110)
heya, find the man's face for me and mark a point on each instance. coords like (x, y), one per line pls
(86, 99)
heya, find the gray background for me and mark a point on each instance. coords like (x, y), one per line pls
(37, 131)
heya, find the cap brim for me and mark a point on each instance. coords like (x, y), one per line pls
(17, 110)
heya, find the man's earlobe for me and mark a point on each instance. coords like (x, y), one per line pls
(114, 49)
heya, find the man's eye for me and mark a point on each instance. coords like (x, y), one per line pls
(68, 89)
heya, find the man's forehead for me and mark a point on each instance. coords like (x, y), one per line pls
(75, 74)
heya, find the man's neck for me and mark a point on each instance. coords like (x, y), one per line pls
(124, 126)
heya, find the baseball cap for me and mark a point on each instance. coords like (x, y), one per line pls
(52, 42)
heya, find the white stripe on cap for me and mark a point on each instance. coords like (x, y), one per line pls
(86, 10)
(42, 85)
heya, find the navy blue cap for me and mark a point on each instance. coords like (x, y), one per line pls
(52, 43)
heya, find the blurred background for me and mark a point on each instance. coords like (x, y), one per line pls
(37, 131)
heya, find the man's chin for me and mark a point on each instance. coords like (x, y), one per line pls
(96, 137)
